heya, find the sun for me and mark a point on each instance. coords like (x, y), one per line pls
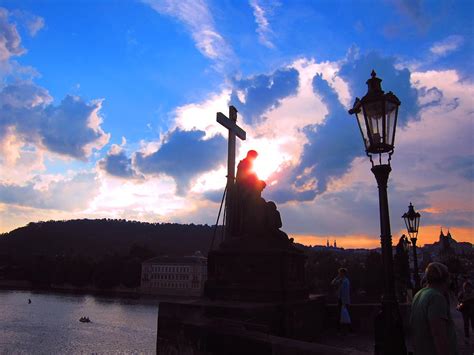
(269, 157)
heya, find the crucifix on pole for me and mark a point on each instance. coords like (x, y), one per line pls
(231, 124)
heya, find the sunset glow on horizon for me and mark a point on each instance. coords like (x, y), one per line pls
(427, 235)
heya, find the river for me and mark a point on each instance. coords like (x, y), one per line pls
(50, 324)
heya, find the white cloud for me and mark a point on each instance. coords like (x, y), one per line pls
(52, 192)
(264, 29)
(71, 129)
(10, 40)
(151, 197)
(32, 22)
(35, 25)
(202, 116)
(447, 45)
(198, 19)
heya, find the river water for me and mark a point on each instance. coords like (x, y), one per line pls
(50, 324)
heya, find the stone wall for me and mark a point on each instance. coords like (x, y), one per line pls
(363, 315)
(203, 328)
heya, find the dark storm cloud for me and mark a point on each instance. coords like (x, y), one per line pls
(184, 155)
(118, 164)
(331, 148)
(67, 128)
(263, 92)
(430, 97)
(356, 72)
(333, 144)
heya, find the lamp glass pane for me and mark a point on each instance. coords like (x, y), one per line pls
(374, 113)
(417, 222)
(411, 224)
(390, 114)
(363, 128)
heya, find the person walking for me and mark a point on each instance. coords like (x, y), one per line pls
(466, 307)
(342, 283)
(432, 327)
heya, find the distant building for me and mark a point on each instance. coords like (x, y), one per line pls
(177, 276)
(447, 246)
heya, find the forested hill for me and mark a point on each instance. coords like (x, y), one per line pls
(99, 237)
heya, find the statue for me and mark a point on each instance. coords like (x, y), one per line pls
(251, 214)
(402, 268)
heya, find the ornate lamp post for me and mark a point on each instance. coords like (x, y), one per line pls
(376, 115)
(412, 222)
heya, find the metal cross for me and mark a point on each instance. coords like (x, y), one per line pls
(234, 130)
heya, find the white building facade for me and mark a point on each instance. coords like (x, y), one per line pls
(175, 276)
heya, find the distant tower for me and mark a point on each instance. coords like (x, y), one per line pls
(335, 244)
(327, 243)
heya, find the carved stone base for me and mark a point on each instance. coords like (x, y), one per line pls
(220, 327)
(241, 273)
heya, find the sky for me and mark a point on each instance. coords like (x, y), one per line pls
(108, 110)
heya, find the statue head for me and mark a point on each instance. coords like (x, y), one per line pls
(252, 154)
(271, 205)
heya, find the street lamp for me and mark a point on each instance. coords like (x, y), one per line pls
(412, 222)
(376, 115)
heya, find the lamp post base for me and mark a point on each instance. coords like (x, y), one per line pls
(416, 277)
(389, 334)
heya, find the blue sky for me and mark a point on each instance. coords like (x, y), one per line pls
(111, 105)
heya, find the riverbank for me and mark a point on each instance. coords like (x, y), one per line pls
(116, 292)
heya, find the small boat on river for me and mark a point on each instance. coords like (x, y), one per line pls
(84, 320)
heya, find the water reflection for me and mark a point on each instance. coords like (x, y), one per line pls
(50, 324)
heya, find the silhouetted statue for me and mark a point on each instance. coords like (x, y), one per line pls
(247, 180)
(246, 198)
(402, 268)
(252, 215)
(272, 217)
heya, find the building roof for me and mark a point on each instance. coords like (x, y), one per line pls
(197, 258)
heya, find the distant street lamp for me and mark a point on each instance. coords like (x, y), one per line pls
(412, 222)
(376, 115)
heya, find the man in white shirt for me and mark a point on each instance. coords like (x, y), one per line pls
(344, 299)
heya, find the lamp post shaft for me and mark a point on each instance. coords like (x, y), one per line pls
(382, 173)
(415, 266)
(389, 337)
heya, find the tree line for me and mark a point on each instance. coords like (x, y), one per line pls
(104, 253)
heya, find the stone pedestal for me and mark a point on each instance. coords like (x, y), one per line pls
(255, 289)
(272, 275)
